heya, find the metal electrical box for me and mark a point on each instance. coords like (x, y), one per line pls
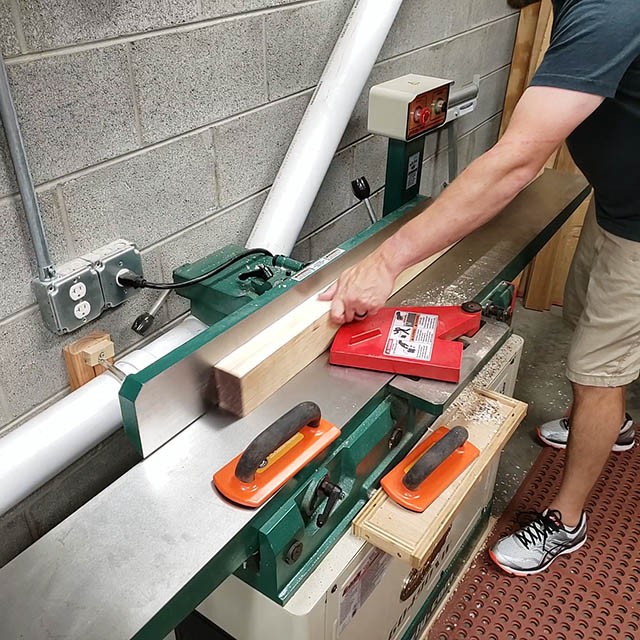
(83, 288)
(408, 107)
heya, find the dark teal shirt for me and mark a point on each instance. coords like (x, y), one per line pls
(595, 48)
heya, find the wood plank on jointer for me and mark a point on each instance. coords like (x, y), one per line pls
(256, 370)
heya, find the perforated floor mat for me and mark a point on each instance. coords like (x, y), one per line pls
(592, 594)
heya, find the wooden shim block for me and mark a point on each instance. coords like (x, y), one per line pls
(79, 372)
(519, 74)
(491, 420)
(255, 371)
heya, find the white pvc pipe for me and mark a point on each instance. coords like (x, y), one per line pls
(41, 448)
(323, 125)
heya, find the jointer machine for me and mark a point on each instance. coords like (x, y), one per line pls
(163, 549)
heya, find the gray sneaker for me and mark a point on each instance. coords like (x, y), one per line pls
(532, 549)
(556, 433)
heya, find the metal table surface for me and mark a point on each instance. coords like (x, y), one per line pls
(118, 562)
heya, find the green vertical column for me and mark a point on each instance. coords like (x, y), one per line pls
(404, 171)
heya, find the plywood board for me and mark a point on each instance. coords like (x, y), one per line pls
(491, 419)
(520, 62)
(255, 371)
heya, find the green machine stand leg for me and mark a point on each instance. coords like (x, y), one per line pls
(404, 171)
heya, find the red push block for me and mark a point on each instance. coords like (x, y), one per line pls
(410, 341)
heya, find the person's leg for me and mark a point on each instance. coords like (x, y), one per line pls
(596, 417)
(604, 358)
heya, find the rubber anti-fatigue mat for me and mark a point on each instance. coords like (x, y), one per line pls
(592, 594)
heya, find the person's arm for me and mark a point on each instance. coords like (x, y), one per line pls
(542, 120)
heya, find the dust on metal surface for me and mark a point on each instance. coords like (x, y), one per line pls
(592, 593)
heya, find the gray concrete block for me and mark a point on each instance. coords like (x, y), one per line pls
(343, 228)
(490, 100)
(187, 80)
(216, 8)
(230, 226)
(55, 23)
(144, 198)
(370, 160)
(79, 483)
(335, 195)
(17, 258)
(75, 110)
(15, 536)
(250, 149)
(299, 41)
(422, 22)
(8, 39)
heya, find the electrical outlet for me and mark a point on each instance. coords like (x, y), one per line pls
(109, 261)
(83, 288)
(71, 299)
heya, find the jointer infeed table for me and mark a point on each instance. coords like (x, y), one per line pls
(138, 558)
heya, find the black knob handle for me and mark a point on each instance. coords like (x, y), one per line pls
(143, 323)
(361, 188)
(333, 493)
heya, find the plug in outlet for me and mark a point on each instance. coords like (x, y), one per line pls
(83, 288)
(109, 261)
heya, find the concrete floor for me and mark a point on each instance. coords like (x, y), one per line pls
(541, 383)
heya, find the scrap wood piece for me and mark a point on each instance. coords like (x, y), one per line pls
(490, 418)
(256, 370)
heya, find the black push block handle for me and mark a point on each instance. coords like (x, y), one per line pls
(274, 436)
(434, 457)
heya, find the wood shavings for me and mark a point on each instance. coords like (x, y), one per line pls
(484, 411)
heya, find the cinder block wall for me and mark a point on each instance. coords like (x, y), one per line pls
(165, 123)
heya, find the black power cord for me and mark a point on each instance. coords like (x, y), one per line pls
(131, 279)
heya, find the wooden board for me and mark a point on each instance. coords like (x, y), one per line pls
(250, 374)
(491, 419)
(520, 62)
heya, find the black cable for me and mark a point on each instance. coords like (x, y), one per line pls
(131, 279)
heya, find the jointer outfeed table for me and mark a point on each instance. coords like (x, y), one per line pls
(138, 558)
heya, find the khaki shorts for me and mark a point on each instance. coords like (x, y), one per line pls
(602, 303)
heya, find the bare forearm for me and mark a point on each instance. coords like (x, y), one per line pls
(480, 193)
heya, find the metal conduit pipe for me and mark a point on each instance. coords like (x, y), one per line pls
(44, 446)
(46, 269)
(323, 124)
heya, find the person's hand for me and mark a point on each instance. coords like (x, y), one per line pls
(361, 290)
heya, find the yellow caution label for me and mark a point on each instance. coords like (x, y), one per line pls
(282, 451)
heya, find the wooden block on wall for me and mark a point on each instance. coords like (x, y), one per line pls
(80, 353)
(252, 373)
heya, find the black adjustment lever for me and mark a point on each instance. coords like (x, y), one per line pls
(333, 493)
(362, 191)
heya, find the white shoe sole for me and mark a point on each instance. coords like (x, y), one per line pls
(533, 572)
(617, 448)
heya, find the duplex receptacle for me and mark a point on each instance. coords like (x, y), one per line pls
(71, 299)
(83, 288)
